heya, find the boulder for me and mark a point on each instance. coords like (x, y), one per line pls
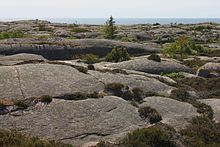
(207, 70)
(77, 122)
(173, 112)
(65, 49)
(144, 65)
(214, 103)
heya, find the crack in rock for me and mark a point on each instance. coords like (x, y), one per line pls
(19, 81)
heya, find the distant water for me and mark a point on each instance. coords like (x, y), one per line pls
(128, 21)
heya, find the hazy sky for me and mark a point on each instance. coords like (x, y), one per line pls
(105, 8)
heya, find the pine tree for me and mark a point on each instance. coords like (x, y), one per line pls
(109, 29)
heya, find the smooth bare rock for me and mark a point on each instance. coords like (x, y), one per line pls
(144, 65)
(77, 122)
(215, 104)
(67, 48)
(175, 113)
(18, 58)
(147, 84)
(34, 80)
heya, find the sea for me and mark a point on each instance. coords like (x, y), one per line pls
(125, 21)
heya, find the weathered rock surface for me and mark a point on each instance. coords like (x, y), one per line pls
(215, 104)
(65, 49)
(18, 58)
(173, 112)
(149, 66)
(134, 81)
(32, 80)
(77, 122)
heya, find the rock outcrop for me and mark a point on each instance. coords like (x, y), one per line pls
(77, 122)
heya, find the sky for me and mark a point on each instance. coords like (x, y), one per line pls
(105, 8)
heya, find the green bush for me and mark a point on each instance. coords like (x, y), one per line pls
(90, 58)
(14, 139)
(202, 132)
(43, 27)
(154, 57)
(115, 88)
(78, 30)
(201, 28)
(118, 55)
(181, 94)
(150, 113)
(12, 34)
(109, 29)
(182, 47)
(148, 137)
(21, 104)
(46, 99)
(173, 75)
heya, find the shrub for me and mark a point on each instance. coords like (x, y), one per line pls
(150, 113)
(180, 94)
(46, 99)
(43, 27)
(79, 30)
(21, 105)
(81, 96)
(12, 34)
(14, 139)
(137, 94)
(109, 29)
(91, 67)
(90, 58)
(202, 132)
(115, 88)
(148, 137)
(182, 47)
(118, 55)
(154, 57)
(81, 69)
(173, 75)
(201, 28)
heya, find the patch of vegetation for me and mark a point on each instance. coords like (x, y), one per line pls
(148, 137)
(201, 28)
(183, 95)
(182, 47)
(89, 58)
(78, 30)
(91, 67)
(118, 55)
(46, 99)
(14, 139)
(109, 29)
(173, 75)
(21, 104)
(205, 87)
(195, 64)
(115, 88)
(166, 39)
(80, 96)
(43, 27)
(150, 113)
(12, 34)
(154, 57)
(128, 39)
(202, 132)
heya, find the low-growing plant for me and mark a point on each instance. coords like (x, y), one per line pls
(181, 94)
(15, 139)
(91, 67)
(78, 30)
(44, 27)
(154, 57)
(21, 104)
(12, 34)
(46, 99)
(118, 55)
(81, 96)
(115, 88)
(173, 75)
(90, 58)
(202, 132)
(81, 69)
(150, 113)
(148, 137)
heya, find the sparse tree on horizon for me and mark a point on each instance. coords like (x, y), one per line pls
(109, 29)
